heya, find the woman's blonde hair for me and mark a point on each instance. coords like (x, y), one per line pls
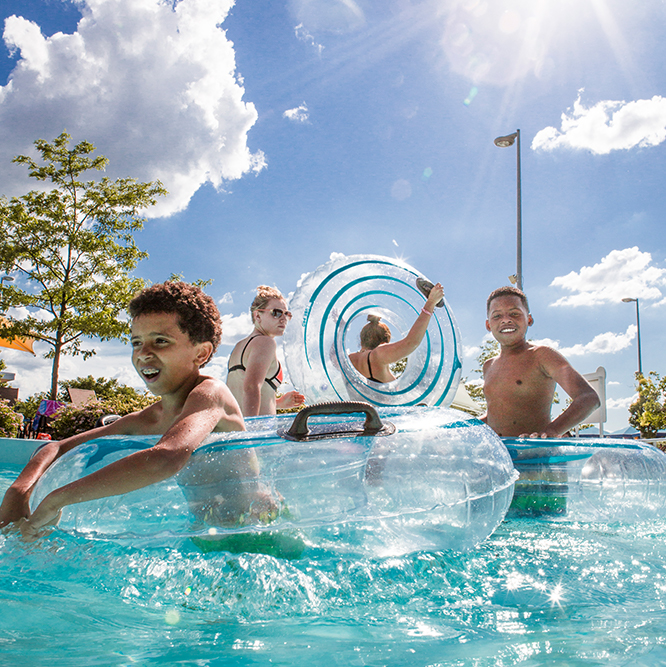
(264, 295)
(374, 333)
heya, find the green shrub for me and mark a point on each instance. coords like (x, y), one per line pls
(10, 421)
(648, 413)
(29, 406)
(70, 420)
(103, 388)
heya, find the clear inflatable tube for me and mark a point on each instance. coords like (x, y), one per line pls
(435, 480)
(589, 479)
(332, 304)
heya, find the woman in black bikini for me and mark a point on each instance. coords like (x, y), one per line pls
(255, 374)
(377, 352)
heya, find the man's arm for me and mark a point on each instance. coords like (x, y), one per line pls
(208, 404)
(584, 400)
(16, 502)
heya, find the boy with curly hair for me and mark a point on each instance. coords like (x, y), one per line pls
(175, 330)
(519, 383)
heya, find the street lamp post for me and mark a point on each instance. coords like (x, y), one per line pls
(504, 142)
(638, 328)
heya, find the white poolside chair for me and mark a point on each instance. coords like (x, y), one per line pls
(598, 382)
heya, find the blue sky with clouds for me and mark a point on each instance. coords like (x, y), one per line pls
(290, 130)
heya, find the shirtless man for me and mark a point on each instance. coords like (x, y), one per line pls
(175, 331)
(519, 384)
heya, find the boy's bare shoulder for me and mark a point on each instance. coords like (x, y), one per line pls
(211, 387)
(552, 362)
(548, 354)
(488, 363)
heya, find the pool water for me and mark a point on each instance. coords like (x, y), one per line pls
(537, 592)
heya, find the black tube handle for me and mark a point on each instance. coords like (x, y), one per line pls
(299, 428)
(425, 287)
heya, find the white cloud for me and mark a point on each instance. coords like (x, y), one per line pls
(153, 86)
(304, 36)
(605, 343)
(338, 16)
(22, 313)
(471, 352)
(621, 274)
(620, 403)
(235, 327)
(607, 126)
(227, 298)
(299, 114)
(217, 367)
(33, 374)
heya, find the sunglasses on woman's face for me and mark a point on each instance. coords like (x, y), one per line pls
(277, 313)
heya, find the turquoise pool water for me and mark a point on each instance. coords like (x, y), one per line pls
(535, 593)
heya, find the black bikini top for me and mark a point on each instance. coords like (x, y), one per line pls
(277, 378)
(370, 377)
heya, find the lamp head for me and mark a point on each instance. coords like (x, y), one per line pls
(628, 299)
(508, 140)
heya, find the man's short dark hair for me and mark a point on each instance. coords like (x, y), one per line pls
(197, 313)
(508, 290)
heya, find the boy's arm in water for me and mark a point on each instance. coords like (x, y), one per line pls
(16, 502)
(209, 406)
(584, 400)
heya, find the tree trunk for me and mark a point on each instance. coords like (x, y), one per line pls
(54, 370)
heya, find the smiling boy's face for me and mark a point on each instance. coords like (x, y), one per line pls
(508, 319)
(163, 354)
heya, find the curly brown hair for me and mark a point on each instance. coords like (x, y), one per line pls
(198, 315)
(509, 290)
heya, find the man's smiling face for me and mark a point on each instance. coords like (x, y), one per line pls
(508, 320)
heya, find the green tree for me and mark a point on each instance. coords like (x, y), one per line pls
(489, 349)
(648, 412)
(3, 366)
(104, 389)
(73, 246)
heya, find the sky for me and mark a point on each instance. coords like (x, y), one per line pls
(291, 130)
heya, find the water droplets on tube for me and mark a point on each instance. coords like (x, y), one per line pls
(330, 306)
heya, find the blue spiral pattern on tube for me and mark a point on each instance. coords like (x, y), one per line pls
(330, 307)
